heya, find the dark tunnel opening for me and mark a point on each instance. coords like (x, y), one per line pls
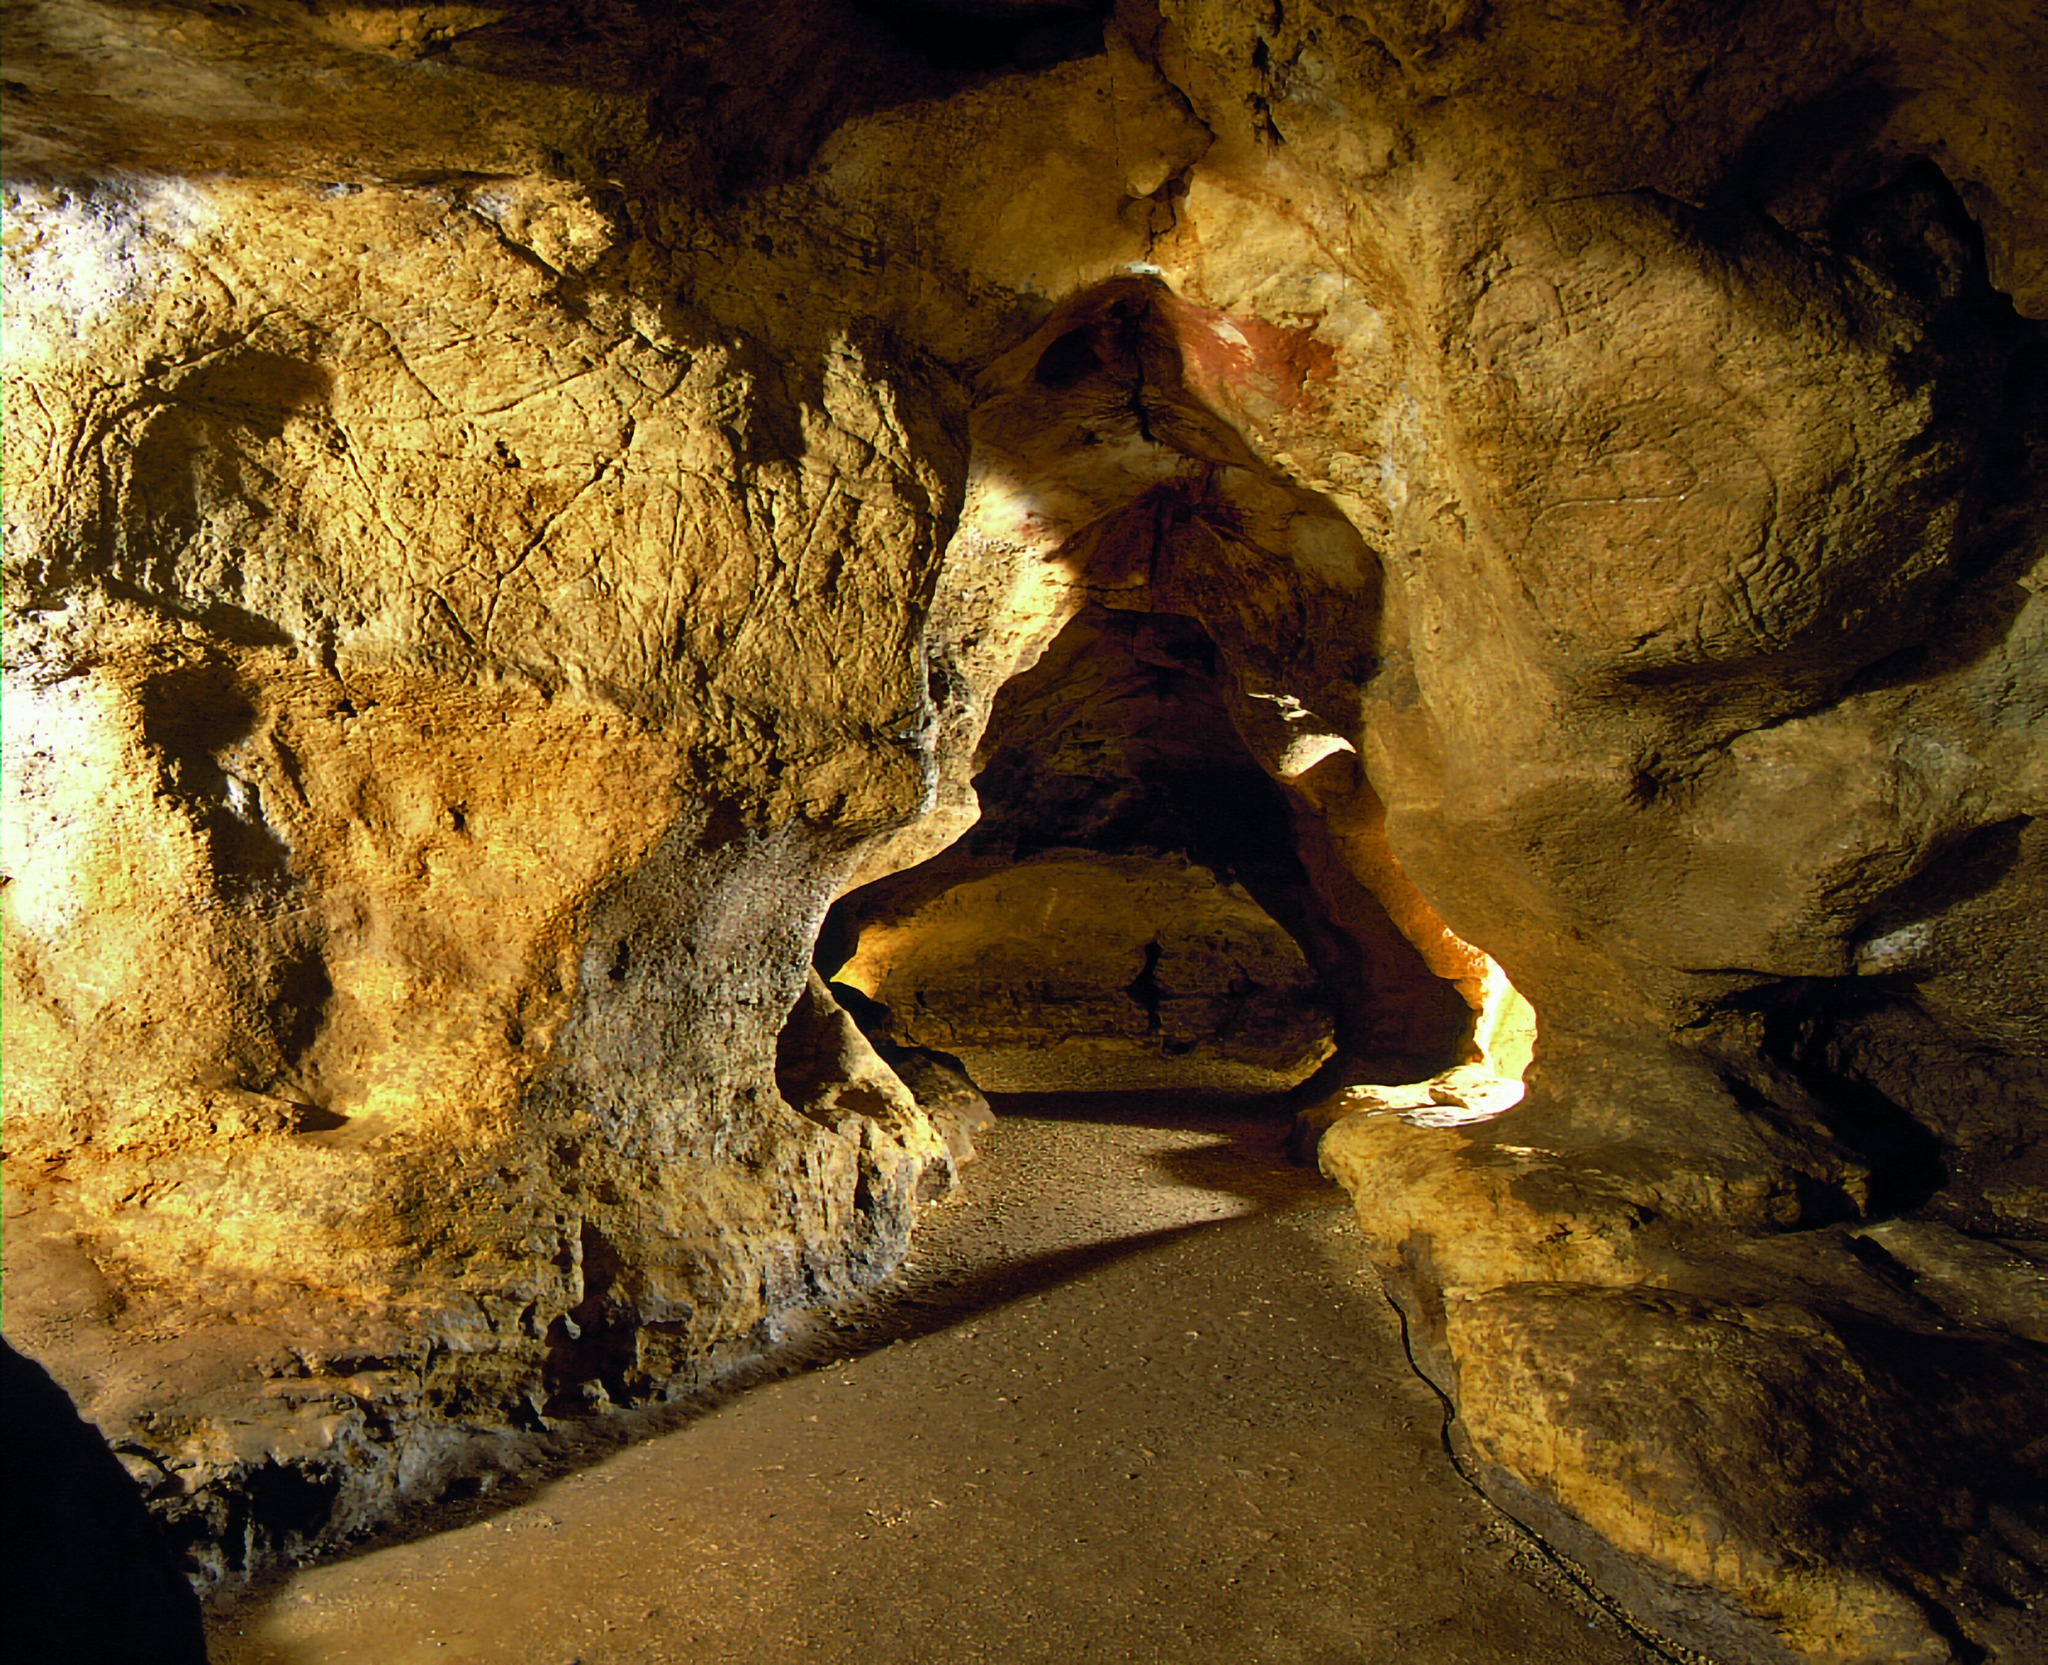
(1132, 911)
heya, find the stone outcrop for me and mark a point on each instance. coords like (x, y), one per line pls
(514, 511)
(1078, 974)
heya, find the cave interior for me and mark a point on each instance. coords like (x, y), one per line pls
(617, 618)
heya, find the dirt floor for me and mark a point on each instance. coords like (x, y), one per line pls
(1135, 1398)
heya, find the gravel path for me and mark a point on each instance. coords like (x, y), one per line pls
(1135, 1399)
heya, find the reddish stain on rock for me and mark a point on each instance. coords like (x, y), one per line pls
(1226, 357)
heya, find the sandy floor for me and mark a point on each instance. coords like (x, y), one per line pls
(1136, 1399)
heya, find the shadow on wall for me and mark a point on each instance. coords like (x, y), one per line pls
(89, 1578)
(742, 93)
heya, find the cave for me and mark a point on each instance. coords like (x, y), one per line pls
(576, 574)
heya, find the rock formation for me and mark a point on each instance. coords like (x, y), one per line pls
(515, 510)
(1084, 974)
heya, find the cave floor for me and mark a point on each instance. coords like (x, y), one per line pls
(1135, 1398)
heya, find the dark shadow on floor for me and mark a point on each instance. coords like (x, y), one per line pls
(1253, 1164)
(1245, 1116)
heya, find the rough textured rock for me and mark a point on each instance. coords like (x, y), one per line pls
(1061, 972)
(512, 512)
(945, 1092)
(830, 1071)
(374, 948)
(937, 1080)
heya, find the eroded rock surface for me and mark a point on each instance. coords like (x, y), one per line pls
(513, 511)
(1059, 973)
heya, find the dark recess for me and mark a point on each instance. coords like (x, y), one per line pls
(89, 1578)
(1119, 742)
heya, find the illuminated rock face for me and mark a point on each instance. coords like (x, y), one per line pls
(1081, 974)
(512, 511)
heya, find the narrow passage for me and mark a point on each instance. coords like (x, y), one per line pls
(1136, 1398)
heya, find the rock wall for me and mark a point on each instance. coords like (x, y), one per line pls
(512, 510)
(398, 932)
(1088, 973)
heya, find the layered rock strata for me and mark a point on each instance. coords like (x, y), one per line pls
(513, 510)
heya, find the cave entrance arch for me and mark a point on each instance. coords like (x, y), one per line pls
(1176, 872)
(1137, 908)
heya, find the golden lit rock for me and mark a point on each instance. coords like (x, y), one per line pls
(1504, 546)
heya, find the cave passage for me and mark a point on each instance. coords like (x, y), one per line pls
(1130, 912)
